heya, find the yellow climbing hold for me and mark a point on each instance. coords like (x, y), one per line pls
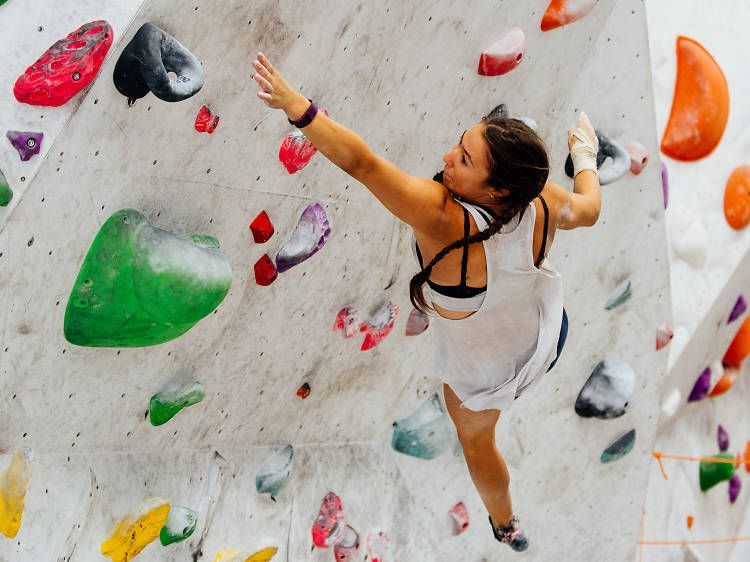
(232, 555)
(133, 533)
(13, 484)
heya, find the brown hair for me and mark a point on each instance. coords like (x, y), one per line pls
(519, 163)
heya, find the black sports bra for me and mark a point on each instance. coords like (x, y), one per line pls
(462, 291)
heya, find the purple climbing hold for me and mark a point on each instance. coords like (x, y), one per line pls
(665, 184)
(308, 238)
(701, 387)
(735, 485)
(722, 438)
(27, 143)
(417, 323)
(738, 310)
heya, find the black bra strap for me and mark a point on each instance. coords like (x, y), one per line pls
(544, 235)
(465, 258)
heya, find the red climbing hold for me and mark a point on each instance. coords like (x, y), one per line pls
(737, 198)
(329, 524)
(460, 518)
(664, 335)
(206, 121)
(504, 55)
(379, 326)
(262, 228)
(67, 67)
(303, 391)
(265, 271)
(563, 12)
(347, 321)
(740, 346)
(296, 151)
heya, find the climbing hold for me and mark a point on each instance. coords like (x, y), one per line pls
(134, 532)
(737, 198)
(607, 392)
(265, 271)
(417, 322)
(165, 404)
(232, 555)
(700, 107)
(206, 121)
(746, 457)
(6, 193)
(726, 381)
(329, 525)
(738, 309)
(620, 295)
(377, 544)
(722, 438)
(609, 173)
(665, 184)
(274, 472)
(261, 228)
(67, 67)
(619, 448)
(379, 325)
(711, 473)
(424, 434)
(671, 403)
(13, 484)
(740, 346)
(308, 238)
(688, 236)
(638, 156)
(303, 391)
(460, 517)
(347, 321)
(347, 546)
(664, 335)
(701, 386)
(146, 62)
(503, 55)
(689, 521)
(296, 151)
(179, 526)
(141, 285)
(27, 143)
(563, 12)
(735, 485)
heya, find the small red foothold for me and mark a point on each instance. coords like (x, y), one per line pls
(460, 518)
(265, 271)
(303, 391)
(262, 228)
(206, 121)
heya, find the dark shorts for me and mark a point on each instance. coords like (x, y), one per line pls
(563, 337)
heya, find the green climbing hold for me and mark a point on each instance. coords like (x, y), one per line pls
(179, 526)
(6, 193)
(166, 404)
(711, 473)
(140, 285)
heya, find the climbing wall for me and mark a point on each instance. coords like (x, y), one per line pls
(403, 76)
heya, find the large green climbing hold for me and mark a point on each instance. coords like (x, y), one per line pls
(140, 285)
(6, 193)
(711, 473)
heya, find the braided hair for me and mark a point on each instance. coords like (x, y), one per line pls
(519, 163)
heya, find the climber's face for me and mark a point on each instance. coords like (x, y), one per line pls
(467, 168)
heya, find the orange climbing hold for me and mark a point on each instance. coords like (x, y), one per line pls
(737, 198)
(727, 380)
(740, 346)
(690, 520)
(747, 456)
(563, 12)
(700, 107)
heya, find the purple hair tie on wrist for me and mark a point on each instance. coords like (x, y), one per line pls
(305, 120)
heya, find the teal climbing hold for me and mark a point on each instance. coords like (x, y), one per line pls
(425, 434)
(621, 447)
(140, 285)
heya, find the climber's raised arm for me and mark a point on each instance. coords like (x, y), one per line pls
(417, 201)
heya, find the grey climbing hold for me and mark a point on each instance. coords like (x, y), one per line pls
(607, 392)
(619, 448)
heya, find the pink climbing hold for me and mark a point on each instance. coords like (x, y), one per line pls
(206, 121)
(504, 55)
(738, 309)
(329, 525)
(265, 271)
(735, 485)
(460, 518)
(664, 335)
(417, 322)
(347, 321)
(638, 157)
(347, 546)
(701, 386)
(563, 12)
(377, 543)
(379, 325)
(261, 228)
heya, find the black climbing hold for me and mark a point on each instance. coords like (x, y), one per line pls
(607, 149)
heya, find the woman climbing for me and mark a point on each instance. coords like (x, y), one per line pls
(500, 322)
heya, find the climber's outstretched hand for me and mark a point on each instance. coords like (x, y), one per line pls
(582, 131)
(276, 93)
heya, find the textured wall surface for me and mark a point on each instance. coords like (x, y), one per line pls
(404, 77)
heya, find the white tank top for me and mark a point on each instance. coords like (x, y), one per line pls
(508, 343)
